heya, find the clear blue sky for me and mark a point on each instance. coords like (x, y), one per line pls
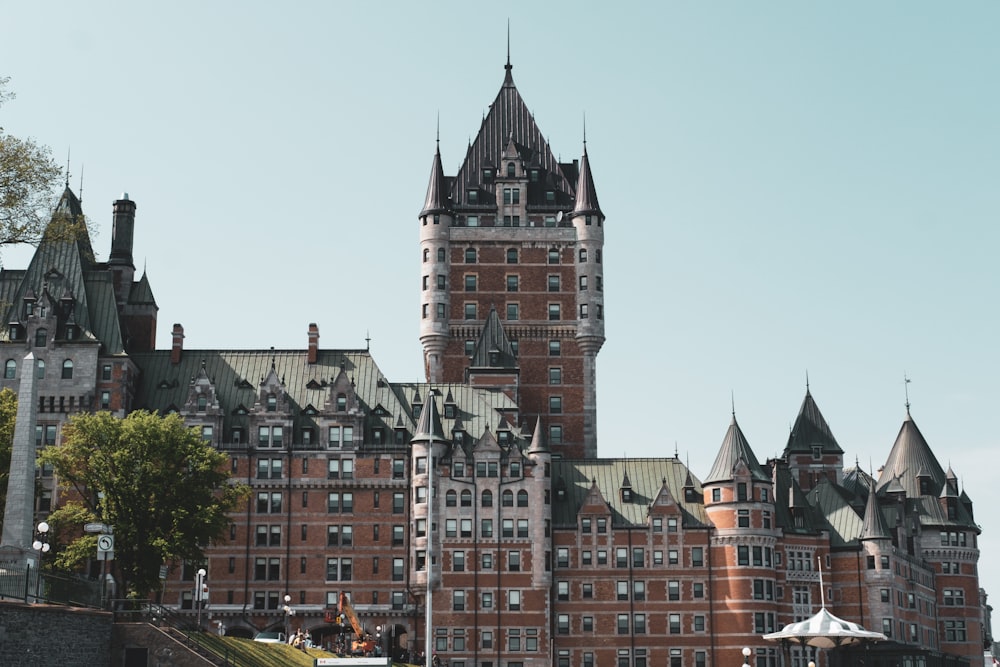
(789, 187)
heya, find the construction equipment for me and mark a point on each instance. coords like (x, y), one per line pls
(365, 643)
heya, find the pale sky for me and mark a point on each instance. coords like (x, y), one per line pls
(790, 188)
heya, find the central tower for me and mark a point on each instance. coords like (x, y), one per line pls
(512, 275)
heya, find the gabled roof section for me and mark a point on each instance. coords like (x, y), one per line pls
(910, 455)
(811, 430)
(493, 350)
(586, 193)
(437, 188)
(507, 120)
(647, 476)
(735, 448)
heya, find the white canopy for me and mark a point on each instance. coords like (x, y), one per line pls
(824, 630)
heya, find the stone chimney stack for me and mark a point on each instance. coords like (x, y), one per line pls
(313, 342)
(178, 344)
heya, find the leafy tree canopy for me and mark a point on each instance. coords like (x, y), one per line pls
(166, 492)
(28, 178)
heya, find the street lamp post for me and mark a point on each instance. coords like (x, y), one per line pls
(199, 588)
(746, 656)
(41, 545)
(289, 612)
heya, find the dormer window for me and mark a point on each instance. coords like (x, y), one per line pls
(487, 175)
(202, 403)
(626, 495)
(510, 170)
(473, 196)
(40, 336)
(817, 453)
(272, 403)
(70, 332)
(341, 403)
(29, 308)
(449, 411)
(533, 174)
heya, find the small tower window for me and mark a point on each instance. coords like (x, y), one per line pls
(440, 255)
(67, 370)
(427, 254)
(272, 403)
(510, 170)
(10, 369)
(202, 403)
(341, 403)
(40, 336)
(583, 255)
(40, 366)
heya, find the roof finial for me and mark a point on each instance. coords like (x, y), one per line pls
(732, 401)
(80, 194)
(508, 66)
(437, 131)
(906, 390)
(807, 380)
(368, 340)
(68, 150)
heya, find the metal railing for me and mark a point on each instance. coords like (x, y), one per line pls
(31, 585)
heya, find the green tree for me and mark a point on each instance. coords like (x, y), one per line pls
(8, 415)
(28, 178)
(166, 492)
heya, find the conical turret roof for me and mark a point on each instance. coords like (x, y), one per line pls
(493, 350)
(909, 456)
(735, 448)
(437, 189)
(874, 526)
(429, 426)
(586, 193)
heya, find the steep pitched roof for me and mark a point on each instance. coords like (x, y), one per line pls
(493, 340)
(429, 427)
(734, 449)
(811, 430)
(508, 120)
(909, 456)
(647, 476)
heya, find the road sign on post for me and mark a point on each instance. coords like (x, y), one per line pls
(105, 547)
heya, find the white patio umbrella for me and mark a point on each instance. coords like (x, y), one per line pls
(823, 629)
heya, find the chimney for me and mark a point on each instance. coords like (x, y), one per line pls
(178, 344)
(313, 342)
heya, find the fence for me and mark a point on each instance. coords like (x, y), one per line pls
(30, 584)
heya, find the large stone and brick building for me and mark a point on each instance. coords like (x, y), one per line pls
(484, 479)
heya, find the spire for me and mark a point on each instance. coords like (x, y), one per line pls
(508, 80)
(436, 201)
(735, 449)
(910, 455)
(537, 441)
(586, 193)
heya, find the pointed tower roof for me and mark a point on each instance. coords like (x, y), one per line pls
(437, 189)
(735, 448)
(874, 526)
(507, 120)
(429, 426)
(909, 456)
(537, 439)
(493, 350)
(811, 430)
(586, 193)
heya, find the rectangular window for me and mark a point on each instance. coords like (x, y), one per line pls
(470, 311)
(512, 311)
(555, 312)
(470, 283)
(512, 283)
(555, 376)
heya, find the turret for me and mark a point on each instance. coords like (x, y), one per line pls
(120, 260)
(435, 221)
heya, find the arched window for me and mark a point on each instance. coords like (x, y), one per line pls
(67, 371)
(40, 336)
(466, 498)
(40, 366)
(510, 169)
(487, 498)
(272, 403)
(10, 370)
(341, 403)
(583, 255)
(450, 498)
(512, 255)
(522, 498)
(427, 254)
(507, 499)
